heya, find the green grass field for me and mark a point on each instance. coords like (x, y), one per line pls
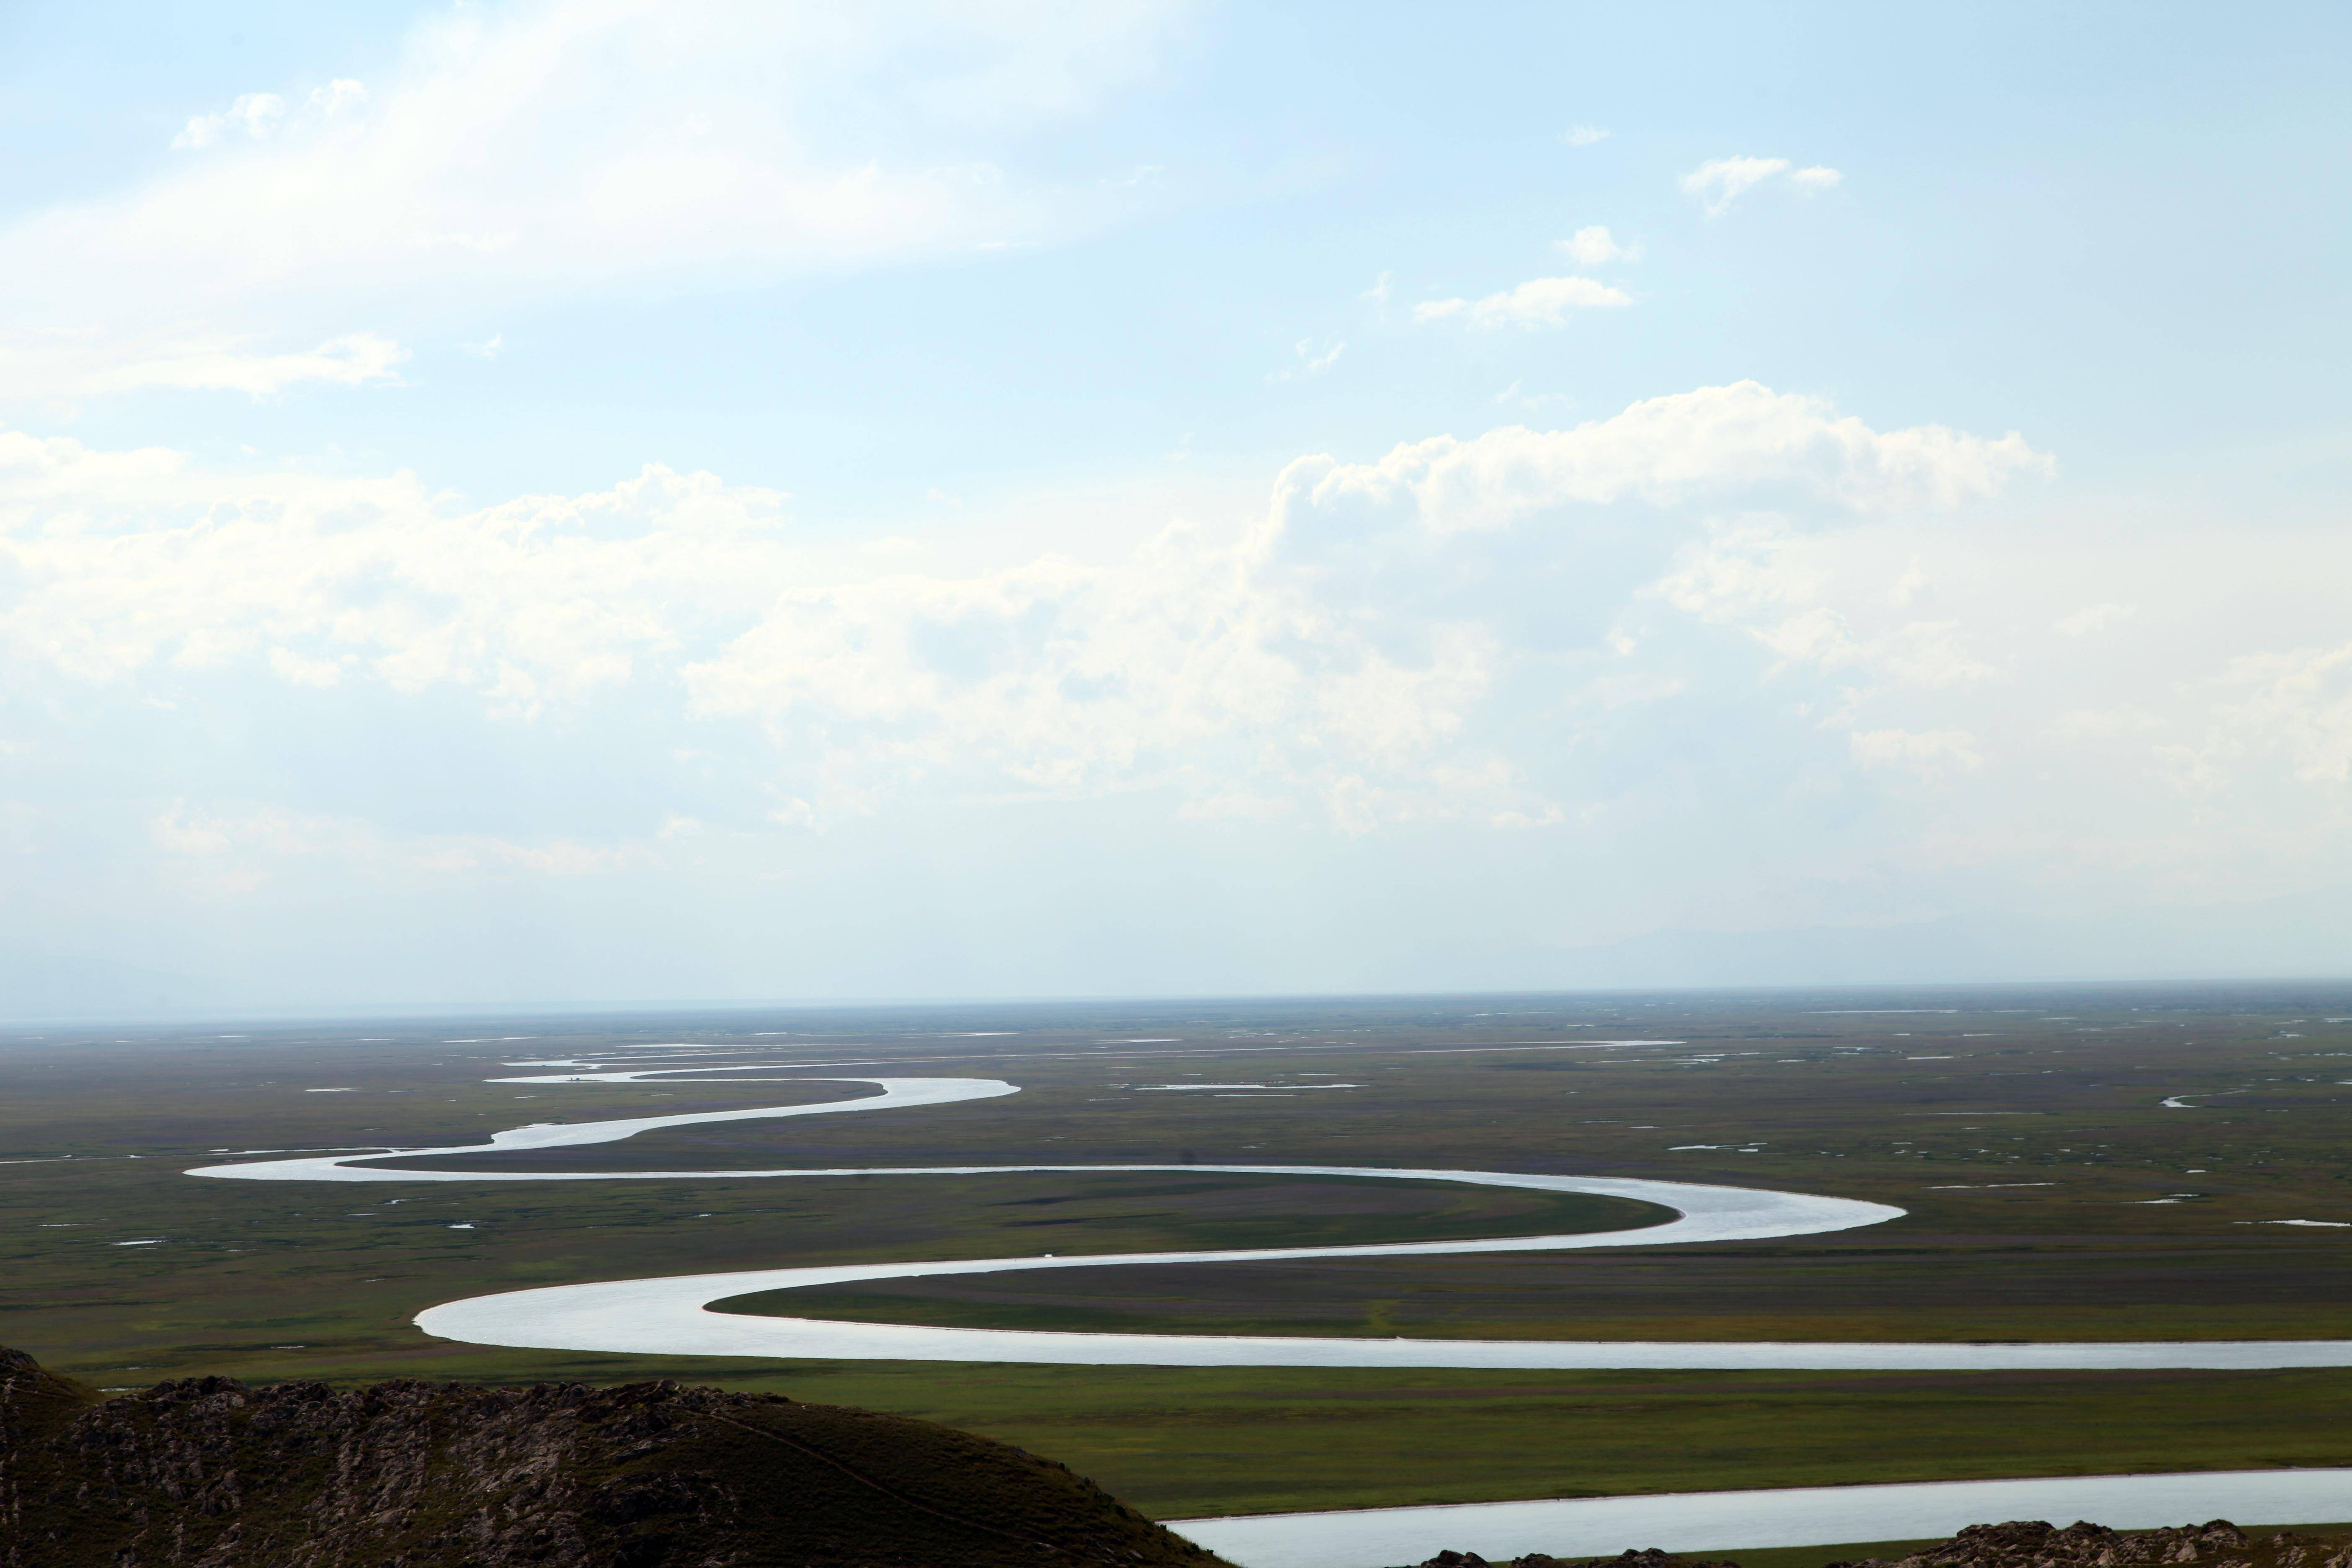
(2050, 1194)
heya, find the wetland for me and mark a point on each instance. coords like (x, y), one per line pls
(2050, 1191)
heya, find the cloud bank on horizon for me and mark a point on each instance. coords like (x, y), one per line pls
(581, 501)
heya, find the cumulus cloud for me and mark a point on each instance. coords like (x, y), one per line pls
(259, 116)
(1667, 451)
(1719, 182)
(1539, 302)
(2196, 749)
(131, 561)
(1788, 590)
(255, 114)
(1563, 631)
(1582, 135)
(1220, 667)
(1593, 245)
(2297, 704)
(573, 145)
(127, 568)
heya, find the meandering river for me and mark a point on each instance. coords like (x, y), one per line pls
(672, 1315)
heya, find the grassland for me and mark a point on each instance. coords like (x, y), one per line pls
(2051, 1194)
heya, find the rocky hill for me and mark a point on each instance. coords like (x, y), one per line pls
(208, 1473)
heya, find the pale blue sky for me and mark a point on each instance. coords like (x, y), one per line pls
(594, 502)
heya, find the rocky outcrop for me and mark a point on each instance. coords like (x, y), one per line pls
(1649, 1558)
(2024, 1544)
(209, 1473)
(2032, 1543)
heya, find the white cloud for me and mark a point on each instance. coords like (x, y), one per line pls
(1720, 181)
(2092, 620)
(2161, 760)
(301, 671)
(237, 852)
(1302, 658)
(1712, 443)
(1353, 807)
(127, 568)
(1582, 135)
(2297, 704)
(1539, 302)
(1593, 246)
(338, 97)
(358, 359)
(1566, 630)
(489, 348)
(172, 832)
(1312, 361)
(1787, 590)
(575, 145)
(1516, 395)
(1927, 752)
(256, 114)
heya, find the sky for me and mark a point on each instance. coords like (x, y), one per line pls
(594, 502)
